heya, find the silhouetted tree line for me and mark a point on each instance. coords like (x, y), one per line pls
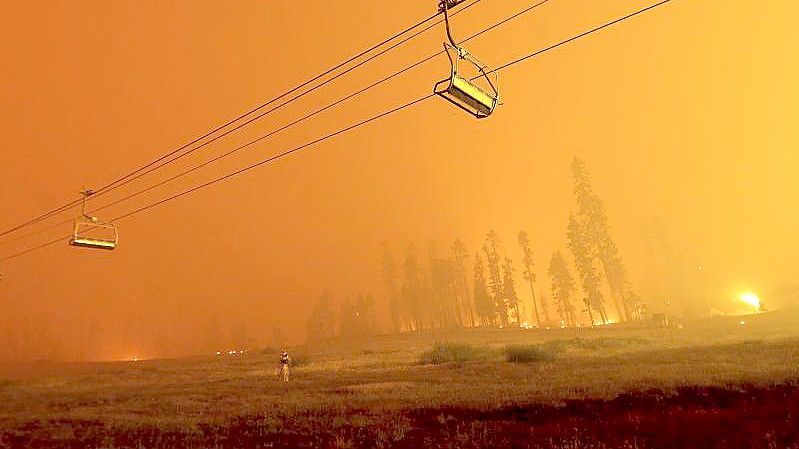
(345, 317)
(444, 290)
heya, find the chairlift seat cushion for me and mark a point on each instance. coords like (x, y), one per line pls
(93, 243)
(473, 95)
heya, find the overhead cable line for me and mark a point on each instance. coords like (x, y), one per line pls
(237, 172)
(344, 130)
(581, 35)
(291, 124)
(285, 103)
(138, 172)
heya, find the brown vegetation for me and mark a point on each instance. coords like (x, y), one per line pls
(712, 384)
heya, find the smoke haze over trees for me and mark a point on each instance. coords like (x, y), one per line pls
(437, 294)
(450, 286)
(695, 165)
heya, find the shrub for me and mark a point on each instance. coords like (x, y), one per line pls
(527, 354)
(591, 344)
(451, 352)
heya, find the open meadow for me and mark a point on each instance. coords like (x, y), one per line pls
(444, 224)
(712, 383)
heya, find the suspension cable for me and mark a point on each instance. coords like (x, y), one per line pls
(283, 104)
(291, 124)
(137, 173)
(344, 130)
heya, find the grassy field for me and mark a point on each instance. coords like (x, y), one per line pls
(713, 383)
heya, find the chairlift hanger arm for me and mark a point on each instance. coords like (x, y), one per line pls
(444, 6)
(86, 194)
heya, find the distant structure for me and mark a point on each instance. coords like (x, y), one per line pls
(660, 319)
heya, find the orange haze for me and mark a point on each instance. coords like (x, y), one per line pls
(685, 116)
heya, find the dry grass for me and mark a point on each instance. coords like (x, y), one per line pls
(443, 352)
(528, 353)
(381, 376)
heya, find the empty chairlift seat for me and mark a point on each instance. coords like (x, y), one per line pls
(475, 90)
(89, 232)
(471, 94)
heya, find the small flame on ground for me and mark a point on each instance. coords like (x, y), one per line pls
(232, 352)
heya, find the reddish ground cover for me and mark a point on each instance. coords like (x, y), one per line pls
(742, 417)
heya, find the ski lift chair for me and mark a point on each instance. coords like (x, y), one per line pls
(89, 232)
(461, 89)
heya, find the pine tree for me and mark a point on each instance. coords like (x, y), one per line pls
(463, 298)
(618, 281)
(367, 314)
(347, 318)
(509, 289)
(413, 292)
(362, 316)
(391, 284)
(562, 288)
(634, 305)
(579, 244)
(491, 250)
(483, 305)
(426, 303)
(442, 280)
(321, 323)
(445, 279)
(544, 307)
(592, 215)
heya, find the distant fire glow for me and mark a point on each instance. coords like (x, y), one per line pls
(232, 352)
(751, 299)
(606, 323)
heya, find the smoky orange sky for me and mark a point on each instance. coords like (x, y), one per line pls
(685, 116)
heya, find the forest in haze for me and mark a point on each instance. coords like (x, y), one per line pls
(501, 281)
(450, 286)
